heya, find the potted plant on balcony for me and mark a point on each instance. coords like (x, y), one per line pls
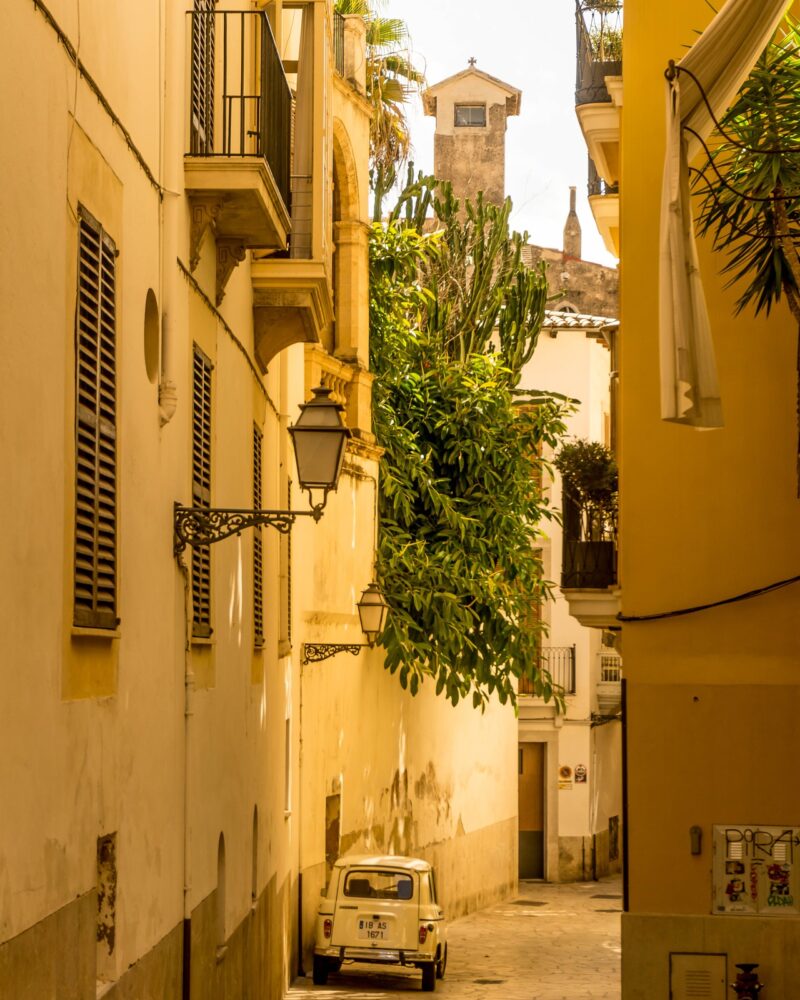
(599, 48)
(590, 500)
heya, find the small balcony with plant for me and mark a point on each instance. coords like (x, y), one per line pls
(598, 103)
(589, 510)
(239, 122)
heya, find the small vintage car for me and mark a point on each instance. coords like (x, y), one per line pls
(381, 910)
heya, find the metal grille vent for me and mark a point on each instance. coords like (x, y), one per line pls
(95, 584)
(258, 543)
(697, 976)
(698, 983)
(202, 104)
(201, 490)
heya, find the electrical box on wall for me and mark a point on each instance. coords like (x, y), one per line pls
(697, 977)
(754, 870)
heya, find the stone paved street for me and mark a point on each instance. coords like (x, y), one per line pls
(553, 942)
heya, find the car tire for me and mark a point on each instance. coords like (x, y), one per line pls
(429, 977)
(320, 974)
(441, 965)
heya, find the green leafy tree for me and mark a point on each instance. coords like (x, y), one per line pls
(591, 480)
(454, 316)
(750, 184)
(392, 80)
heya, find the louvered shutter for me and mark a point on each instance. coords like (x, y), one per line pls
(95, 581)
(258, 544)
(201, 490)
(202, 101)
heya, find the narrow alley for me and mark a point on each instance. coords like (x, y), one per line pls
(551, 942)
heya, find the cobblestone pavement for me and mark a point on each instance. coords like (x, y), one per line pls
(553, 942)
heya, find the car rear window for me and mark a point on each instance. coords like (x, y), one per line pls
(361, 884)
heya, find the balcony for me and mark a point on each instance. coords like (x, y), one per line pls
(559, 662)
(236, 167)
(604, 202)
(609, 687)
(589, 564)
(338, 42)
(599, 46)
(598, 104)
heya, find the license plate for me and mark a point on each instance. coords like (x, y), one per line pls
(373, 930)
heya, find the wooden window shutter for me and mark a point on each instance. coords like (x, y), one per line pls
(95, 582)
(201, 490)
(258, 543)
(532, 623)
(202, 90)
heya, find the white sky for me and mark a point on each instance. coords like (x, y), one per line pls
(529, 44)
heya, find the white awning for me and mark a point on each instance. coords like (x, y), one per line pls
(721, 59)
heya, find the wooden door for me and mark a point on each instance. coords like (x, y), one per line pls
(531, 810)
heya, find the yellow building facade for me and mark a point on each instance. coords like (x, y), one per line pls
(712, 696)
(185, 256)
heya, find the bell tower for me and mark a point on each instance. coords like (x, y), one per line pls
(469, 147)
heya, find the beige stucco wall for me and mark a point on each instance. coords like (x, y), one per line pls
(132, 733)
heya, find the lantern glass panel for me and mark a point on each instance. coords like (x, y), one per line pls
(319, 455)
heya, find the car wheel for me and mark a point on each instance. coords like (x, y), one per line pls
(441, 965)
(429, 977)
(320, 975)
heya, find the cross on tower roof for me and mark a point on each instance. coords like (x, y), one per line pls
(472, 60)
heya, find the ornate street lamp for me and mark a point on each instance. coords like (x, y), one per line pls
(319, 438)
(372, 612)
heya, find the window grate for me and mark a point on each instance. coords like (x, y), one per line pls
(258, 543)
(202, 100)
(95, 580)
(201, 490)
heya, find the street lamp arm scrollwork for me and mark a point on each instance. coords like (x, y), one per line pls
(313, 652)
(198, 526)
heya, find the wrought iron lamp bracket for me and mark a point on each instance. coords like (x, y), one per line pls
(313, 652)
(197, 526)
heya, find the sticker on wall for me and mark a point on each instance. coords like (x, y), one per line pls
(565, 777)
(754, 870)
(580, 774)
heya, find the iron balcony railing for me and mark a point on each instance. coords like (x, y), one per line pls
(599, 48)
(597, 185)
(559, 662)
(338, 42)
(240, 101)
(589, 552)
